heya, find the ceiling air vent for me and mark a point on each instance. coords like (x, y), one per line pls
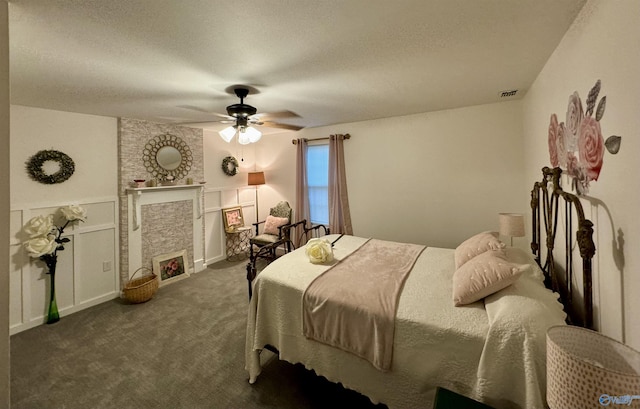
(507, 94)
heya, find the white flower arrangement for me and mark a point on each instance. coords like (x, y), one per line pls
(45, 238)
(319, 251)
(44, 242)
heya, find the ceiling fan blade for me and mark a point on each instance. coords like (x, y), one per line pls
(281, 125)
(277, 114)
(194, 108)
(225, 116)
(188, 123)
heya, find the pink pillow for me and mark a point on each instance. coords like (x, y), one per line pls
(475, 245)
(484, 275)
(272, 223)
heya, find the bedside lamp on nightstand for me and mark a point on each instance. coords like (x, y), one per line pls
(512, 225)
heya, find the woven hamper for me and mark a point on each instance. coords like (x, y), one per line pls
(140, 289)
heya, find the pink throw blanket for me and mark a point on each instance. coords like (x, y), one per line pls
(352, 305)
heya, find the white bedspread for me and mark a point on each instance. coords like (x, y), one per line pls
(436, 344)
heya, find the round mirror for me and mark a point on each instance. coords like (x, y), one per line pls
(168, 157)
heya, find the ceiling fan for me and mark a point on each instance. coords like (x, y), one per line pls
(243, 116)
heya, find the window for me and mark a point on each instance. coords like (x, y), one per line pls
(318, 183)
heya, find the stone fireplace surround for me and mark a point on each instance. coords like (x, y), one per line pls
(163, 220)
(158, 208)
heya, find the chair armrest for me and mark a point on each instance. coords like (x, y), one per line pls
(256, 224)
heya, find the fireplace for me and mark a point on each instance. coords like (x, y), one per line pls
(162, 220)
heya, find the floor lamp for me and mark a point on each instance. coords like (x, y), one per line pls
(256, 179)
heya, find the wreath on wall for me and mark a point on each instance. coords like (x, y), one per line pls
(36, 171)
(230, 166)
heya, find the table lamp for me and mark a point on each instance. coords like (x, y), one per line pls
(512, 225)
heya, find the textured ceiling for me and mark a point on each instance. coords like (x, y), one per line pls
(329, 61)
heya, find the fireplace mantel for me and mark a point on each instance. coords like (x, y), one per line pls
(164, 194)
(138, 197)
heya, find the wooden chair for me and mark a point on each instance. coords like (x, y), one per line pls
(269, 234)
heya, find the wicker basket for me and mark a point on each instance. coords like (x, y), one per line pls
(141, 289)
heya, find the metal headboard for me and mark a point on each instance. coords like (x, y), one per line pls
(545, 200)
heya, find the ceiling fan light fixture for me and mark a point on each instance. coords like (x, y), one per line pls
(227, 133)
(253, 134)
(243, 138)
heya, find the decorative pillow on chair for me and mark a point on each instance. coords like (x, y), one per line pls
(272, 223)
(484, 275)
(475, 245)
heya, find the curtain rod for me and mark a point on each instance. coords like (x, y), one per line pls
(295, 141)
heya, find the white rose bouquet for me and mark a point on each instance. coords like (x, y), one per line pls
(319, 251)
(45, 240)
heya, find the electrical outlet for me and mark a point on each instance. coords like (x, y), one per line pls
(106, 266)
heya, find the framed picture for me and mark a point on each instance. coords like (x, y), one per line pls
(171, 267)
(232, 217)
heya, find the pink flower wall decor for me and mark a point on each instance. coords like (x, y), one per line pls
(577, 145)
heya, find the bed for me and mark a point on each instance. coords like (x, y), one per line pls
(492, 349)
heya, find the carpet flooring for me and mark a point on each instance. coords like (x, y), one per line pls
(184, 348)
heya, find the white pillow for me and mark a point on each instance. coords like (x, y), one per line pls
(475, 245)
(484, 275)
(272, 223)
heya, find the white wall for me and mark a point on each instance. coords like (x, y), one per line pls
(223, 191)
(82, 279)
(603, 43)
(4, 206)
(434, 178)
(91, 141)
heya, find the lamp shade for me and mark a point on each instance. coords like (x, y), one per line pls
(256, 178)
(586, 369)
(227, 133)
(243, 138)
(253, 134)
(246, 134)
(512, 224)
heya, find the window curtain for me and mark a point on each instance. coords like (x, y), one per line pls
(339, 214)
(302, 198)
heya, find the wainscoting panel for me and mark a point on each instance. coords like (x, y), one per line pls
(102, 213)
(215, 199)
(230, 197)
(86, 273)
(96, 267)
(212, 199)
(214, 236)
